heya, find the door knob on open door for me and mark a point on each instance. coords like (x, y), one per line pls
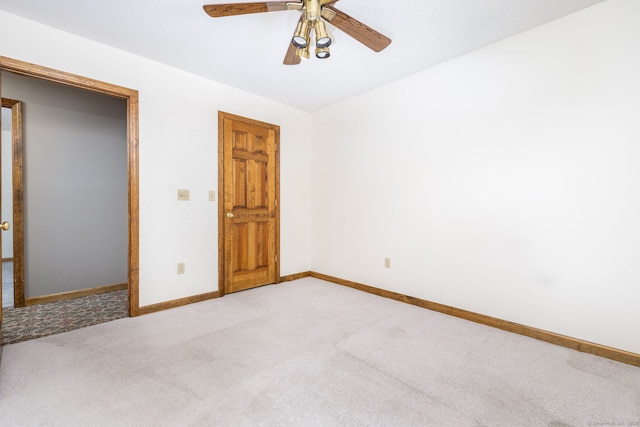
(5, 226)
(229, 215)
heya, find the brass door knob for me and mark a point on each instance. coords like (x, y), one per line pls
(229, 215)
(5, 226)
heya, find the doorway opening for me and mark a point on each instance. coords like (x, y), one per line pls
(130, 97)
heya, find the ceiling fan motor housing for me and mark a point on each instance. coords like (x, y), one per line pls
(312, 10)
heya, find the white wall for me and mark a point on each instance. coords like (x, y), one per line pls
(505, 182)
(178, 149)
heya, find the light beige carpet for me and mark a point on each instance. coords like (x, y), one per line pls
(308, 353)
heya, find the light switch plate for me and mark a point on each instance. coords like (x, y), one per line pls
(212, 196)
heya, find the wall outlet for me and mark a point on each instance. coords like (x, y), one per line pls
(212, 196)
(181, 268)
(387, 263)
(183, 195)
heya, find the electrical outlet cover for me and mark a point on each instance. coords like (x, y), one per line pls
(183, 195)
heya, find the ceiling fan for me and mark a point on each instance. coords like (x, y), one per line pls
(314, 15)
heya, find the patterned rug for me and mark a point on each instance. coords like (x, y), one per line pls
(21, 324)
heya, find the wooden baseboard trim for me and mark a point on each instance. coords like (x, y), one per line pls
(542, 335)
(153, 308)
(291, 277)
(147, 309)
(75, 294)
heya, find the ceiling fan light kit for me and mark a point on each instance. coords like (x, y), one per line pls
(301, 37)
(303, 52)
(322, 52)
(314, 15)
(322, 38)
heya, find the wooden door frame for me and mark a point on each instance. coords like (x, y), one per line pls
(131, 96)
(221, 213)
(17, 221)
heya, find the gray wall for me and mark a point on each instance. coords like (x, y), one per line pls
(75, 182)
(7, 196)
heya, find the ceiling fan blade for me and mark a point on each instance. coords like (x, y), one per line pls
(356, 29)
(230, 9)
(291, 58)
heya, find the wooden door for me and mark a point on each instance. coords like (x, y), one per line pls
(248, 205)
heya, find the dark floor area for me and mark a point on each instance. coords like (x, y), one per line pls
(20, 324)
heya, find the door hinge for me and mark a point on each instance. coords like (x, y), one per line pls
(276, 201)
(276, 258)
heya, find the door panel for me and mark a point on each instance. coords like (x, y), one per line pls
(249, 214)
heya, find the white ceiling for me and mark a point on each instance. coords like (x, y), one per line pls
(247, 51)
